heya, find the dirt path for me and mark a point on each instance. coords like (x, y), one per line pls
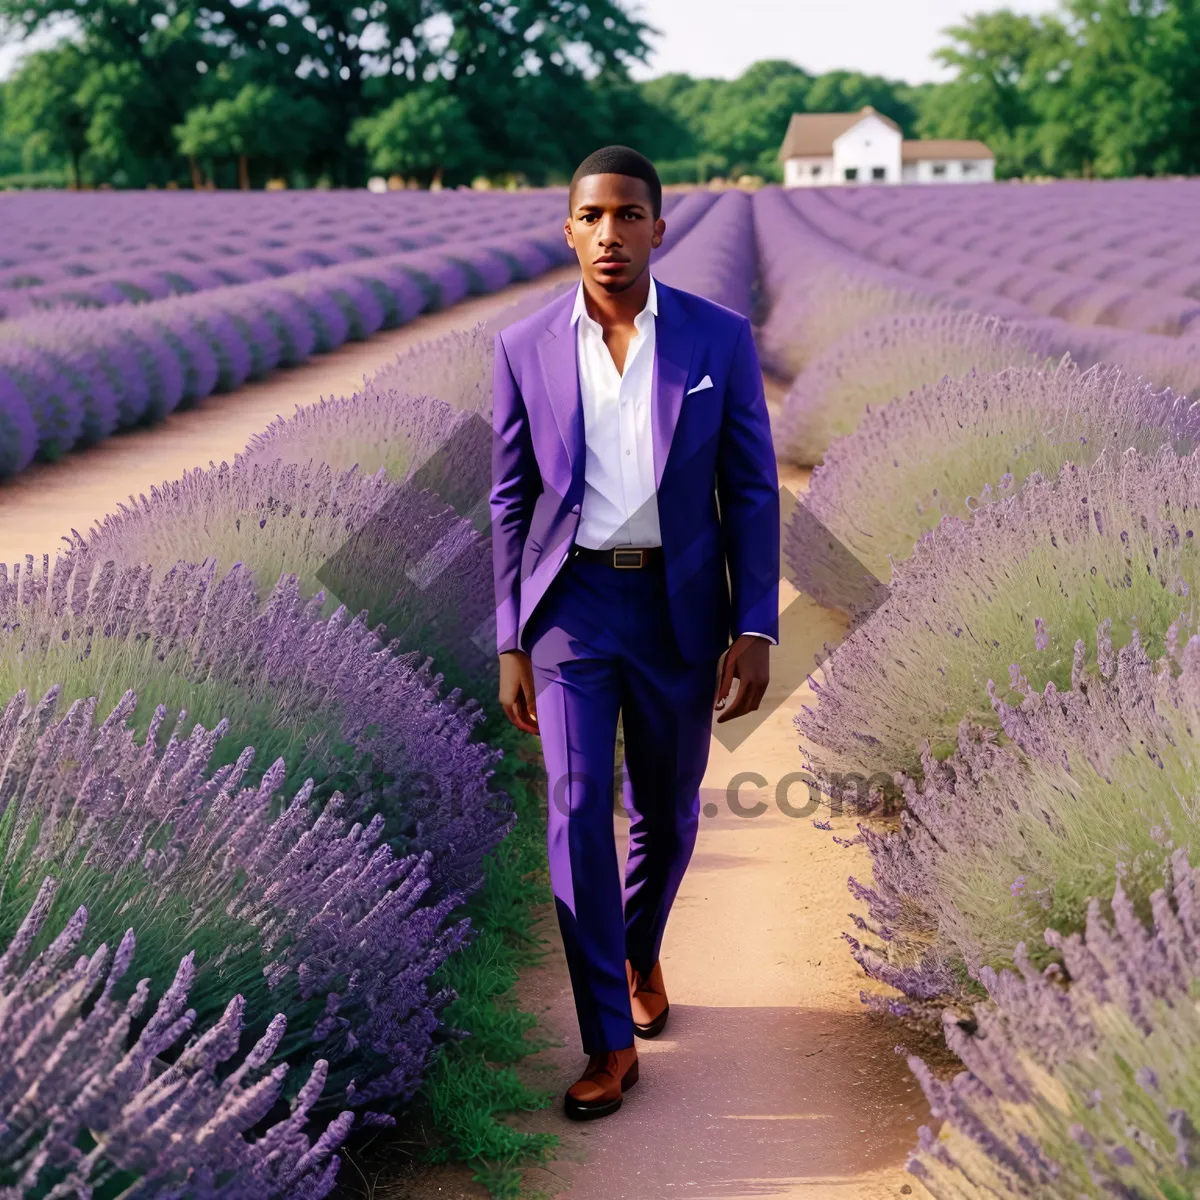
(770, 1080)
(43, 504)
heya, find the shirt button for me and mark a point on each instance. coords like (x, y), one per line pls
(626, 451)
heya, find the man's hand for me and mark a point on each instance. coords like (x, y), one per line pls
(516, 690)
(747, 661)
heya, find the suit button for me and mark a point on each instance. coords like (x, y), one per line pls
(574, 508)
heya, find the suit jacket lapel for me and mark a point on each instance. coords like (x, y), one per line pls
(558, 354)
(673, 360)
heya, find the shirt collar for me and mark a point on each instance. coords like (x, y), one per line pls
(580, 309)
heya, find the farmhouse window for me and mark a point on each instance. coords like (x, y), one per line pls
(939, 170)
(878, 172)
(851, 174)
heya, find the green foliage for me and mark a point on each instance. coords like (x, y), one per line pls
(733, 127)
(260, 123)
(472, 1083)
(423, 134)
(1104, 87)
(52, 178)
(515, 67)
(43, 112)
(1000, 60)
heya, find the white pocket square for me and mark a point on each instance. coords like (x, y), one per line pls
(706, 382)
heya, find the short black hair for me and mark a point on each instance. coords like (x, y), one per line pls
(621, 160)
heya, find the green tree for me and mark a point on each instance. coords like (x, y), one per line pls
(1127, 87)
(354, 58)
(739, 124)
(260, 124)
(1104, 87)
(10, 144)
(746, 128)
(43, 111)
(1004, 64)
(848, 91)
(423, 134)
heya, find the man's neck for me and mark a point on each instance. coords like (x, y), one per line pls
(613, 309)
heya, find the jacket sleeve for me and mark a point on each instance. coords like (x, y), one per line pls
(748, 494)
(515, 486)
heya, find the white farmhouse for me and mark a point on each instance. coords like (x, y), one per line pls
(824, 149)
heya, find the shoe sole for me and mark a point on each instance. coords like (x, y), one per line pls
(583, 1110)
(655, 1027)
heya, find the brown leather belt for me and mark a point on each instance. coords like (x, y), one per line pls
(621, 557)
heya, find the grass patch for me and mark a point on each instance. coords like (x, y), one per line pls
(472, 1083)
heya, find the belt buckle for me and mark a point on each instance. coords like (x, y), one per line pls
(626, 566)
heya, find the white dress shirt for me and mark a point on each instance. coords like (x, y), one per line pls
(619, 506)
(620, 503)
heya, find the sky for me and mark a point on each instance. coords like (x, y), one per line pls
(894, 38)
(722, 37)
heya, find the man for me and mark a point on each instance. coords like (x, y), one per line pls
(635, 525)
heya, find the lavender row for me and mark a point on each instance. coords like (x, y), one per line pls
(77, 377)
(716, 257)
(310, 912)
(681, 214)
(817, 291)
(228, 236)
(989, 850)
(856, 337)
(139, 278)
(72, 1079)
(1088, 1090)
(225, 646)
(61, 236)
(1040, 289)
(1120, 223)
(948, 449)
(1019, 582)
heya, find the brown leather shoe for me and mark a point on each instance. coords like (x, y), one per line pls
(597, 1092)
(648, 999)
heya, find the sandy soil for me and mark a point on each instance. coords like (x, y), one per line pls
(43, 504)
(770, 1080)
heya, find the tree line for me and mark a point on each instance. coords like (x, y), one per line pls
(236, 92)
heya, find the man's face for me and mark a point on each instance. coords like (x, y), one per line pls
(612, 229)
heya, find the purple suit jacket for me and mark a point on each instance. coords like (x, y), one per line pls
(714, 465)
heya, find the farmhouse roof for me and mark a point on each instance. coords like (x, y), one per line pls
(937, 148)
(811, 135)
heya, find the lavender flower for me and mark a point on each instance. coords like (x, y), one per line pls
(1076, 804)
(725, 271)
(81, 373)
(877, 362)
(69, 1071)
(310, 905)
(99, 630)
(953, 446)
(1113, 538)
(1045, 1106)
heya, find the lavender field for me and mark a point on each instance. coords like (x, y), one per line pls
(253, 832)
(994, 386)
